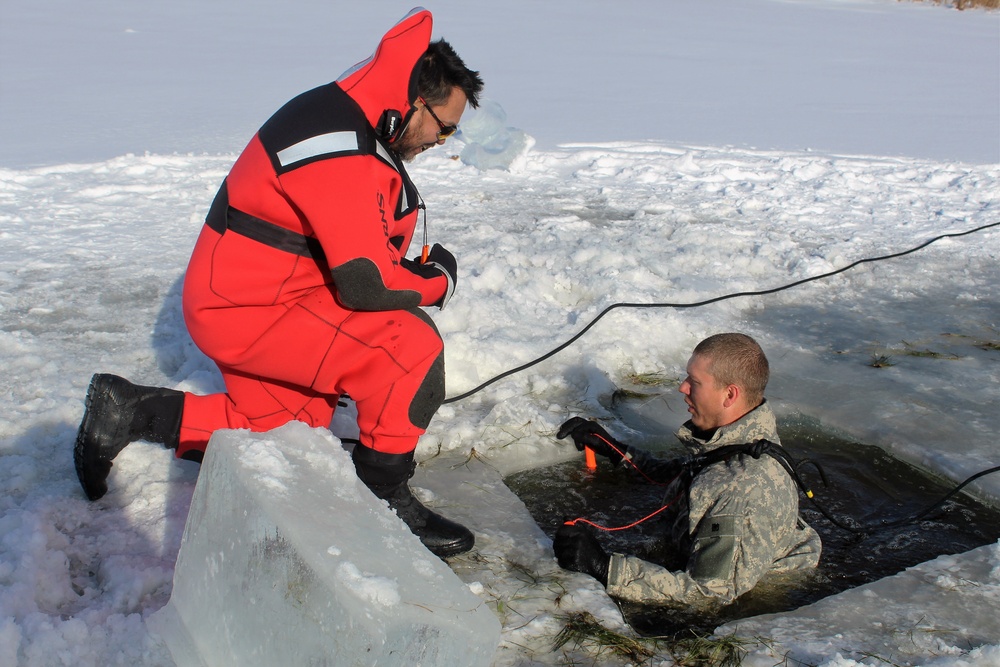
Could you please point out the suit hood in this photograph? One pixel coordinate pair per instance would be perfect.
(385, 84)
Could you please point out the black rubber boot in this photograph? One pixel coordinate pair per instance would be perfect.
(117, 413)
(387, 475)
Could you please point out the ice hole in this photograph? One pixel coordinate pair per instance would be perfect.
(867, 487)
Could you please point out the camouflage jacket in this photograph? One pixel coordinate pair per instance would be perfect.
(736, 520)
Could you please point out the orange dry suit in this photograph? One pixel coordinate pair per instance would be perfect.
(298, 287)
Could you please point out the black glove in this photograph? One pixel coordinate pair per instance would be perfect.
(587, 433)
(445, 262)
(578, 550)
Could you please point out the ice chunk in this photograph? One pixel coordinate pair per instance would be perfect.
(287, 559)
(489, 143)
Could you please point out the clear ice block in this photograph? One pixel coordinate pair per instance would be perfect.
(288, 559)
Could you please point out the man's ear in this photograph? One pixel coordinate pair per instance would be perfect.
(733, 395)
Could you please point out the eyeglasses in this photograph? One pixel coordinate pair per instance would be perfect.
(446, 130)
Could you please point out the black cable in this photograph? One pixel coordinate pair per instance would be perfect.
(788, 463)
(865, 530)
(782, 456)
(706, 302)
(938, 504)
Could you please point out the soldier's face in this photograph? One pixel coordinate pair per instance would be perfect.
(706, 400)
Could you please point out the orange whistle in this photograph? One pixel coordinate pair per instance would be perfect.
(591, 458)
(423, 254)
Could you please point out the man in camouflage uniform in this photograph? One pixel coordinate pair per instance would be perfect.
(735, 520)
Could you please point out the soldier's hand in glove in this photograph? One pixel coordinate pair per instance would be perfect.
(444, 261)
(588, 433)
(578, 550)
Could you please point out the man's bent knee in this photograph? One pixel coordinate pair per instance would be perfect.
(429, 395)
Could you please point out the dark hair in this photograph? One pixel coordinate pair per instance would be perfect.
(736, 358)
(441, 69)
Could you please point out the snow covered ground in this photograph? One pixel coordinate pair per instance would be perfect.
(680, 152)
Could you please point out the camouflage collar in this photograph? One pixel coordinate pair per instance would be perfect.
(758, 424)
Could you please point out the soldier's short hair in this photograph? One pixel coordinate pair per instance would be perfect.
(736, 358)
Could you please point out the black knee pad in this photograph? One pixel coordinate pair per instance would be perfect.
(430, 395)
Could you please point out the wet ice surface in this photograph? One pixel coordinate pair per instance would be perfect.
(867, 489)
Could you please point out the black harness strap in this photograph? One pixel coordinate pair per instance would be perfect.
(222, 218)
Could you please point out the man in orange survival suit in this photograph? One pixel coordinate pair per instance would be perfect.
(298, 287)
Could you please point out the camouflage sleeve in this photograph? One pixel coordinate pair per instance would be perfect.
(715, 568)
(737, 536)
(636, 580)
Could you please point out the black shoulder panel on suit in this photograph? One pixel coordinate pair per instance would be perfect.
(318, 124)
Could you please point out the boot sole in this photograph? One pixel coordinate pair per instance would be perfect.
(461, 539)
(91, 469)
(453, 550)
